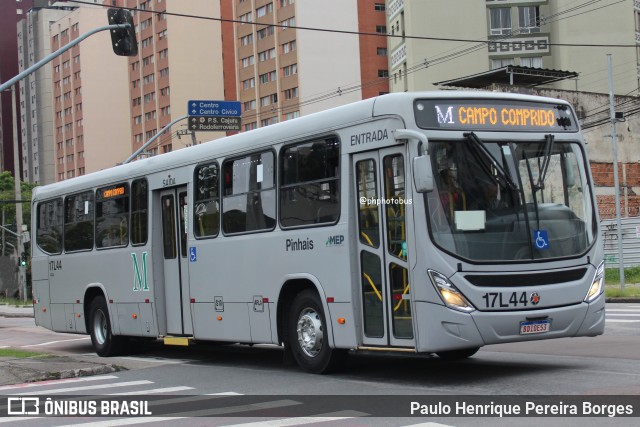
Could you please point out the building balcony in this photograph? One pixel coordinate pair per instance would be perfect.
(636, 4)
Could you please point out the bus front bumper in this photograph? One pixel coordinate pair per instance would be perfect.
(449, 329)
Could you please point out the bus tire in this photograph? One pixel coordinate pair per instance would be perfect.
(457, 354)
(104, 342)
(308, 338)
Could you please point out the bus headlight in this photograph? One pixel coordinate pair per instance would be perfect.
(450, 295)
(597, 286)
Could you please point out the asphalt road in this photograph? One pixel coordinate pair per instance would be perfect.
(582, 367)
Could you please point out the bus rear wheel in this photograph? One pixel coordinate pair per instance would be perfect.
(308, 338)
(457, 354)
(104, 342)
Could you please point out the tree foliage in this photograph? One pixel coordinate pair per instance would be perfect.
(7, 192)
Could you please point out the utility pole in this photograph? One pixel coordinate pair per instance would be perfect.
(616, 183)
(17, 180)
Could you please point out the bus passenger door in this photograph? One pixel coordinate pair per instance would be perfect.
(382, 250)
(176, 275)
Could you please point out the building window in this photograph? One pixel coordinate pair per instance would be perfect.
(381, 29)
(265, 32)
(250, 105)
(379, 7)
(262, 11)
(533, 62)
(383, 73)
(382, 51)
(290, 70)
(500, 18)
(290, 93)
(499, 63)
(529, 19)
(249, 83)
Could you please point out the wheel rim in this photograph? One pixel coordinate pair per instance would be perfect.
(310, 332)
(100, 327)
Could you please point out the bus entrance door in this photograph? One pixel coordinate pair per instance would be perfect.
(176, 274)
(385, 289)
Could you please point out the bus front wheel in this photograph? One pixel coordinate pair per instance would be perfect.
(308, 338)
(104, 342)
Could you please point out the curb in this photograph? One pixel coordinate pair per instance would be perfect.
(82, 372)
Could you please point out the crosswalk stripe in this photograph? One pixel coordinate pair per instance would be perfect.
(54, 342)
(179, 416)
(152, 391)
(64, 381)
(89, 387)
(620, 310)
(320, 418)
(625, 314)
(428, 424)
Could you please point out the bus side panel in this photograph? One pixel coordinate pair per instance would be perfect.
(260, 322)
(229, 323)
(129, 319)
(41, 308)
(344, 334)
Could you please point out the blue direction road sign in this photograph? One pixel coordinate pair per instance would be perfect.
(214, 108)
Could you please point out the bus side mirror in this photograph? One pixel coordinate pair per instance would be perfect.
(422, 174)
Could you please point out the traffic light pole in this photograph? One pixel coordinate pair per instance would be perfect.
(57, 53)
(22, 283)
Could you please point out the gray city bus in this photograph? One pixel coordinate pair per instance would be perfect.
(427, 222)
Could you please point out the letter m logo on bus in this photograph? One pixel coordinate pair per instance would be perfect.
(140, 282)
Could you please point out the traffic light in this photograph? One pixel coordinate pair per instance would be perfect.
(123, 39)
(23, 259)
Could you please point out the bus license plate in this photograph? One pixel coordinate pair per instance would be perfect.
(535, 327)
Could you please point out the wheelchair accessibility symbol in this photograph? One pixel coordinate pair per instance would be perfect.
(540, 239)
(193, 255)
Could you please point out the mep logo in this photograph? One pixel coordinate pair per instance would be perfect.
(140, 282)
(337, 240)
(23, 406)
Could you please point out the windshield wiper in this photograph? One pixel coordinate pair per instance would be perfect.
(479, 148)
(548, 148)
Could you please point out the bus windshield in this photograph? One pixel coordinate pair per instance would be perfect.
(510, 201)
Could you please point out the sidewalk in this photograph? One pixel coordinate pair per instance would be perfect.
(19, 370)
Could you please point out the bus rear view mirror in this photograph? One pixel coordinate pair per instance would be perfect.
(422, 174)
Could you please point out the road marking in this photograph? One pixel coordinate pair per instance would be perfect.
(89, 387)
(320, 418)
(54, 342)
(625, 314)
(183, 415)
(620, 310)
(152, 391)
(63, 381)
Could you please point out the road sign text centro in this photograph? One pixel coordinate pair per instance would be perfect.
(214, 108)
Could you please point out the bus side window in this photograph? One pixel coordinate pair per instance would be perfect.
(112, 216)
(78, 222)
(206, 204)
(49, 226)
(139, 212)
(309, 186)
(249, 193)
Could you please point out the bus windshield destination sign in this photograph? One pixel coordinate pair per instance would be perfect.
(501, 116)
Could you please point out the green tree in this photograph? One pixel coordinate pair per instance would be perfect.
(7, 192)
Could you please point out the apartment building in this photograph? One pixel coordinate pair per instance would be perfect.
(36, 102)
(279, 71)
(91, 122)
(179, 59)
(446, 44)
(11, 12)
